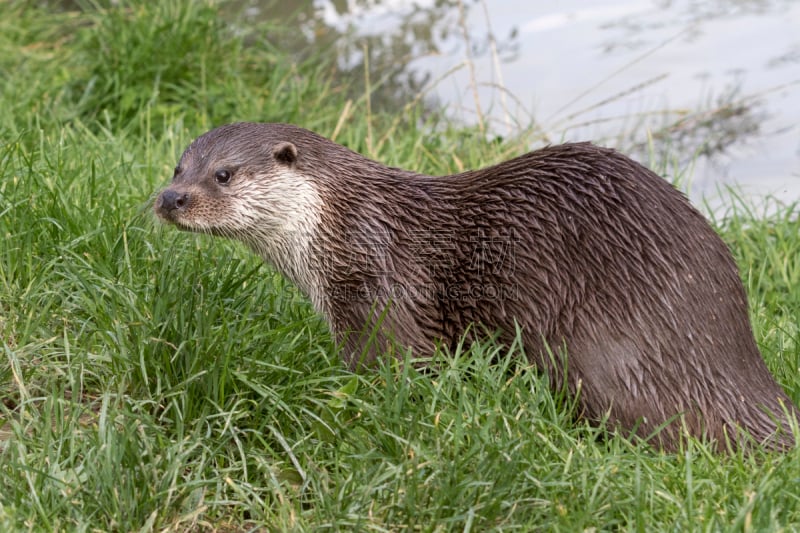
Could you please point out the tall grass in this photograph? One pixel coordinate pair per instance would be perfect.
(154, 380)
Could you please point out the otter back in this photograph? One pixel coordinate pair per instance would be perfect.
(593, 256)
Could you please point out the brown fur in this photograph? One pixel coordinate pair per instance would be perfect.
(578, 245)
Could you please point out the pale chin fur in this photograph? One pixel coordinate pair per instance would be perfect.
(288, 208)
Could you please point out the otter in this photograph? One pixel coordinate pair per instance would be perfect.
(617, 287)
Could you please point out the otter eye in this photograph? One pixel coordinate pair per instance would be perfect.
(176, 173)
(222, 176)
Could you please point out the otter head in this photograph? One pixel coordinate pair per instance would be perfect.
(242, 181)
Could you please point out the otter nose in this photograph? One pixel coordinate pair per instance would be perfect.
(171, 200)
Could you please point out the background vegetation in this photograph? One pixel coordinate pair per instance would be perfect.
(154, 380)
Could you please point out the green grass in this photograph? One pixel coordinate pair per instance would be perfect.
(155, 380)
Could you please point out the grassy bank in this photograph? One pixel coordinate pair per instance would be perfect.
(155, 380)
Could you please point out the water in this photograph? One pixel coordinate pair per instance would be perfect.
(716, 76)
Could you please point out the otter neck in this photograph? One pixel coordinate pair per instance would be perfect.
(285, 238)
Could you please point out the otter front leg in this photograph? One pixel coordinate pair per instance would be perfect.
(384, 328)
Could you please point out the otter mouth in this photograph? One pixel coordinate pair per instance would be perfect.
(182, 225)
(171, 217)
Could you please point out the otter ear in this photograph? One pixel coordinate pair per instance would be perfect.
(285, 152)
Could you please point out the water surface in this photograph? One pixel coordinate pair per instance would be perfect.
(715, 84)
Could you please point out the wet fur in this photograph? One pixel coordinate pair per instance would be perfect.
(577, 245)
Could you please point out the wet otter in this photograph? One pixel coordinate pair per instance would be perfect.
(595, 258)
